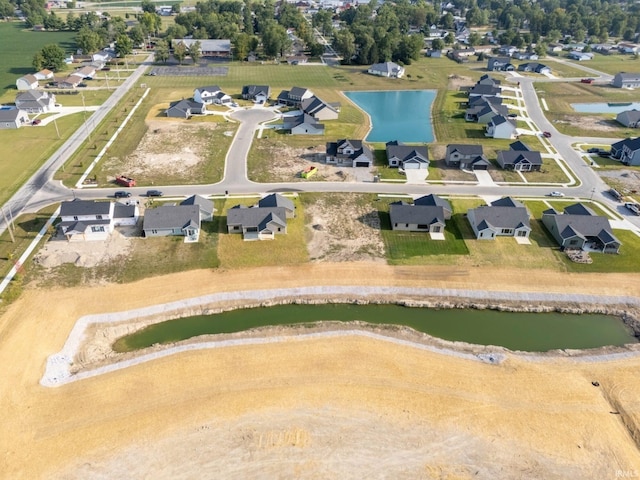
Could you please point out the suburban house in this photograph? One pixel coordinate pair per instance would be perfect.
(534, 67)
(486, 79)
(294, 97)
(90, 220)
(211, 95)
(628, 48)
(481, 90)
(407, 156)
(303, 124)
(263, 221)
(519, 146)
(631, 152)
(208, 48)
(386, 69)
(13, 118)
(580, 56)
(466, 157)
(525, 56)
(483, 111)
(433, 200)
(500, 64)
(508, 50)
(482, 100)
(349, 153)
(257, 93)
(85, 72)
(296, 59)
(319, 109)
(36, 101)
(72, 81)
(501, 127)
(205, 205)
(616, 148)
(629, 118)
(169, 220)
(27, 82)
(417, 218)
(185, 109)
(44, 74)
(578, 227)
(520, 160)
(504, 217)
(626, 80)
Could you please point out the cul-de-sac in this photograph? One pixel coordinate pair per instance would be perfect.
(320, 239)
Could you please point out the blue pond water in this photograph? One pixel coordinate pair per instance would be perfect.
(403, 115)
(604, 107)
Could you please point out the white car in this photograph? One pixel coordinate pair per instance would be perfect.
(556, 194)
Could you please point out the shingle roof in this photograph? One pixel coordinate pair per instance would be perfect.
(464, 149)
(204, 204)
(502, 216)
(255, 216)
(79, 208)
(276, 200)
(416, 214)
(405, 152)
(514, 157)
(171, 216)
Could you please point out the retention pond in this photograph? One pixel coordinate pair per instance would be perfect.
(534, 332)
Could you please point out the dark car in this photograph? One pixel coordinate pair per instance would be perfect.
(546, 134)
(593, 150)
(82, 85)
(36, 121)
(122, 194)
(604, 154)
(154, 193)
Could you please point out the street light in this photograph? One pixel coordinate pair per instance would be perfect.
(593, 191)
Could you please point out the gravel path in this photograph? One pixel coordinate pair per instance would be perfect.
(58, 368)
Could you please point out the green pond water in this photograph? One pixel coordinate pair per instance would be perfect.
(534, 332)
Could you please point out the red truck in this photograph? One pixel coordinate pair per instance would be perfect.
(125, 181)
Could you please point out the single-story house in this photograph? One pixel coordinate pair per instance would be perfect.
(257, 93)
(169, 220)
(483, 112)
(257, 223)
(435, 201)
(534, 67)
(407, 156)
(629, 118)
(501, 127)
(484, 90)
(519, 160)
(466, 157)
(580, 56)
(631, 152)
(36, 101)
(319, 109)
(27, 82)
(185, 109)
(416, 218)
(386, 69)
(303, 124)
(500, 64)
(628, 47)
(349, 153)
(85, 72)
(626, 80)
(205, 205)
(72, 81)
(219, 48)
(90, 220)
(525, 56)
(294, 97)
(13, 118)
(487, 79)
(44, 74)
(578, 227)
(508, 50)
(519, 146)
(504, 217)
(211, 95)
(276, 200)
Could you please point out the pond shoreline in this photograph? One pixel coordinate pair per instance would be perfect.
(88, 350)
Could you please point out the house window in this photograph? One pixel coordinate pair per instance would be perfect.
(237, 227)
(573, 242)
(436, 229)
(154, 231)
(75, 217)
(406, 225)
(522, 233)
(506, 231)
(97, 228)
(98, 217)
(252, 229)
(423, 227)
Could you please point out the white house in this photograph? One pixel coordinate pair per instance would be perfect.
(501, 127)
(89, 220)
(28, 82)
(13, 118)
(386, 69)
(36, 101)
(211, 95)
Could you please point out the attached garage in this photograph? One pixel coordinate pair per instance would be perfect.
(362, 164)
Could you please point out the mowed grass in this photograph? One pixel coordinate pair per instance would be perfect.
(613, 64)
(285, 249)
(19, 47)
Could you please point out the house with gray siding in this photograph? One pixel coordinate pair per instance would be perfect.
(433, 200)
(504, 217)
(500, 64)
(257, 223)
(466, 157)
(185, 109)
(629, 118)
(36, 101)
(256, 93)
(349, 153)
(13, 118)
(417, 218)
(169, 220)
(520, 161)
(501, 126)
(407, 156)
(631, 152)
(578, 227)
(626, 80)
(205, 205)
(303, 124)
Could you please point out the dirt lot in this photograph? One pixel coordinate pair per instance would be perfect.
(346, 407)
(590, 123)
(628, 179)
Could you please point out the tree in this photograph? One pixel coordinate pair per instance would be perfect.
(180, 52)
(344, 43)
(195, 52)
(175, 31)
(136, 34)
(6, 8)
(124, 45)
(89, 41)
(316, 49)
(162, 51)
(323, 21)
(449, 38)
(51, 57)
(148, 6)
(275, 40)
(243, 44)
(437, 44)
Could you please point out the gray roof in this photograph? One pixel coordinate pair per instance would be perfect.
(406, 152)
(276, 200)
(253, 90)
(292, 122)
(630, 116)
(185, 106)
(632, 144)
(519, 146)
(435, 201)
(578, 209)
(10, 115)
(506, 202)
(359, 148)
(628, 76)
(256, 216)
(583, 224)
(484, 100)
(171, 217)
(514, 157)
(416, 214)
(210, 45)
(79, 208)
(500, 119)
(388, 67)
(313, 104)
(464, 149)
(501, 217)
(210, 88)
(204, 204)
(298, 92)
(482, 89)
(124, 211)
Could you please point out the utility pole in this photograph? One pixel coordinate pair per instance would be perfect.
(9, 225)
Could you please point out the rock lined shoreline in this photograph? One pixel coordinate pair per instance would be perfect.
(89, 346)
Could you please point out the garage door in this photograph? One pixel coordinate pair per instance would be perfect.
(480, 167)
(362, 164)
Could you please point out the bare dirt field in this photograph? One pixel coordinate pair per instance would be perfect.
(346, 407)
(629, 179)
(590, 123)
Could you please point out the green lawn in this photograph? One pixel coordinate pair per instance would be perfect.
(20, 45)
(613, 64)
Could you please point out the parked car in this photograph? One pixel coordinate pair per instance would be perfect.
(122, 194)
(546, 134)
(154, 193)
(556, 194)
(36, 121)
(82, 85)
(604, 154)
(587, 80)
(634, 207)
(615, 194)
(593, 150)
(151, 74)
